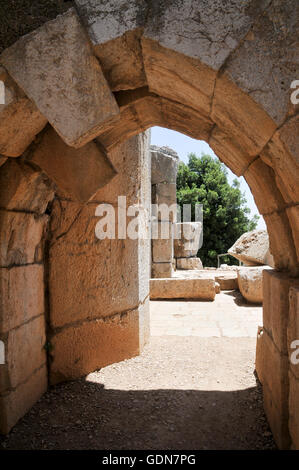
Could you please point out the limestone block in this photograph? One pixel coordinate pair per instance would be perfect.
(164, 163)
(294, 411)
(15, 404)
(227, 281)
(276, 390)
(187, 239)
(164, 201)
(251, 131)
(23, 188)
(280, 235)
(88, 346)
(177, 77)
(293, 327)
(144, 323)
(25, 353)
(189, 263)
(188, 288)
(163, 270)
(21, 238)
(20, 120)
(78, 172)
(217, 288)
(250, 281)
(261, 180)
(281, 153)
(260, 68)
(101, 277)
(276, 286)
(162, 241)
(112, 19)
(75, 99)
(293, 216)
(22, 295)
(208, 31)
(121, 60)
(252, 247)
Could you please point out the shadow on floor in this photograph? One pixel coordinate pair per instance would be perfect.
(85, 415)
(239, 299)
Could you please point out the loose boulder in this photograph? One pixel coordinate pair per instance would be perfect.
(250, 280)
(253, 248)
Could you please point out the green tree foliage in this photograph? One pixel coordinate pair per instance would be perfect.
(225, 214)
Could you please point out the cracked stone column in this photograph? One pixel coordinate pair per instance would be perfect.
(99, 288)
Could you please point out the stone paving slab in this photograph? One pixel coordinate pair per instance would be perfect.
(227, 316)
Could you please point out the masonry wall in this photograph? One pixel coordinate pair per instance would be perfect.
(99, 289)
(24, 196)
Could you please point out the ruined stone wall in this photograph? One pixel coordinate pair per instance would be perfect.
(24, 197)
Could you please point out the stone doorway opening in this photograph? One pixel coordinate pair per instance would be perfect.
(70, 139)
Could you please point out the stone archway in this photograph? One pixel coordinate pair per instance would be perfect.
(220, 74)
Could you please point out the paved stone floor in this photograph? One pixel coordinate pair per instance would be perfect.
(228, 316)
(193, 387)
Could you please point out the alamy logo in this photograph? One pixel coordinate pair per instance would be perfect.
(295, 94)
(2, 92)
(295, 355)
(2, 353)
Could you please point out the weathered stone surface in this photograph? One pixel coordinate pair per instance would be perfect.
(276, 286)
(25, 353)
(281, 153)
(177, 77)
(20, 120)
(258, 66)
(88, 346)
(217, 288)
(78, 172)
(15, 404)
(112, 19)
(121, 61)
(144, 323)
(186, 120)
(100, 277)
(294, 411)
(75, 99)
(163, 165)
(174, 288)
(293, 216)
(189, 263)
(21, 238)
(251, 247)
(275, 390)
(293, 326)
(161, 270)
(22, 295)
(280, 235)
(229, 151)
(261, 180)
(28, 188)
(250, 281)
(187, 239)
(227, 281)
(164, 201)
(208, 31)
(162, 249)
(253, 128)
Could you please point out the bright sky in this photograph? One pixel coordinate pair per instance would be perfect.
(184, 145)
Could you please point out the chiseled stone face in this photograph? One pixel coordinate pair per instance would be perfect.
(252, 247)
(60, 74)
